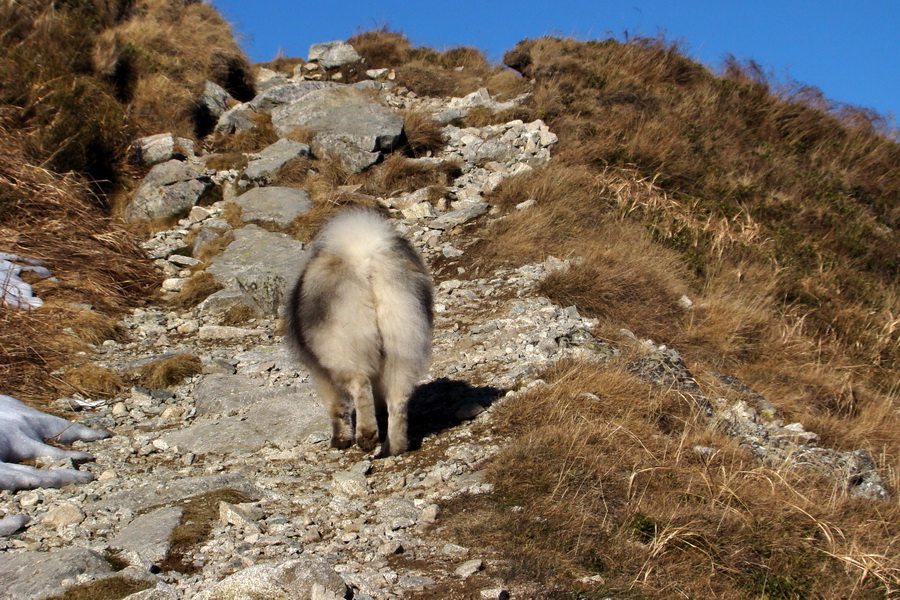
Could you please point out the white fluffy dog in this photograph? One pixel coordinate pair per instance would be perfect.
(360, 317)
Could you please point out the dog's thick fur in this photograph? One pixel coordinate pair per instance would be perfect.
(360, 317)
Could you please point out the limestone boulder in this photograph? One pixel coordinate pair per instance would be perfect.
(261, 265)
(333, 54)
(277, 206)
(34, 575)
(348, 123)
(244, 416)
(161, 147)
(213, 100)
(170, 188)
(236, 119)
(285, 93)
(264, 166)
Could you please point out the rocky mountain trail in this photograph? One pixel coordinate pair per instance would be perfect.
(223, 485)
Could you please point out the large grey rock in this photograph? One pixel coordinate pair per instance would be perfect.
(490, 150)
(349, 124)
(286, 93)
(222, 394)
(458, 217)
(156, 493)
(236, 119)
(37, 575)
(267, 78)
(11, 524)
(146, 539)
(154, 149)
(169, 188)
(299, 579)
(278, 206)
(266, 164)
(213, 100)
(278, 416)
(261, 265)
(162, 591)
(333, 54)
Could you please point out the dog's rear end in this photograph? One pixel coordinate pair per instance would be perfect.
(360, 317)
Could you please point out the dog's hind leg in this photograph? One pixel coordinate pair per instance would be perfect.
(366, 426)
(339, 409)
(397, 381)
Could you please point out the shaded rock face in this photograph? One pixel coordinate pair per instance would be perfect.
(169, 189)
(236, 119)
(211, 104)
(348, 123)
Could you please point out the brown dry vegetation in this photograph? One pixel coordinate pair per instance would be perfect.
(94, 380)
(454, 72)
(776, 214)
(78, 81)
(601, 479)
(169, 371)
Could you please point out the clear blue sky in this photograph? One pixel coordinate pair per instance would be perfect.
(848, 49)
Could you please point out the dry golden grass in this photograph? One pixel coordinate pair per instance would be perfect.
(56, 219)
(198, 288)
(294, 173)
(601, 478)
(382, 48)
(423, 133)
(398, 174)
(253, 140)
(239, 314)
(95, 381)
(169, 371)
(765, 211)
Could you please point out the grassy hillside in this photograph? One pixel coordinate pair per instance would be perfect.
(78, 81)
(774, 211)
(777, 214)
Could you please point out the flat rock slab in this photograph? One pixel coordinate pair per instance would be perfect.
(286, 93)
(303, 578)
(265, 165)
(281, 416)
(147, 537)
(158, 493)
(277, 206)
(39, 575)
(458, 217)
(261, 265)
(346, 120)
(169, 188)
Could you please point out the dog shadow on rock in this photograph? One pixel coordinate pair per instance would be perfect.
(444, 403)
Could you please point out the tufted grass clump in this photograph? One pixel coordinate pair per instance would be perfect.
(168, 371)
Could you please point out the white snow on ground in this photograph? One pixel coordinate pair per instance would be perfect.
(22, 433)
(13, 290)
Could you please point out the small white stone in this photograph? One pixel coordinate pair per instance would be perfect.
(174, 284)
